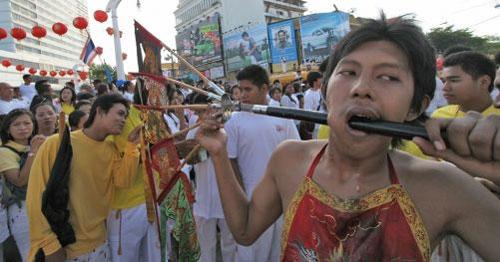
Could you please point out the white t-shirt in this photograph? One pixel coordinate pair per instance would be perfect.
(7, 106)
(28, 91)
(208, 203)
(252, 139)
(438, 100)
(312, 99)
(129, 96)
(273, 102)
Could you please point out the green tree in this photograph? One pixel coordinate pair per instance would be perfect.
(444, 37)
(97, 72)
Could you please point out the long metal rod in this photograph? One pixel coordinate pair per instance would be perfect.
(386, 128)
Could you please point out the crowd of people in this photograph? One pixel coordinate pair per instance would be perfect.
(266, 188)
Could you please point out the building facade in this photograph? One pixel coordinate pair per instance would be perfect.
(234, 16)
(52, 52)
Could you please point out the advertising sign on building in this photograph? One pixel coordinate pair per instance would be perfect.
(247, 47)
(283, 48)
(201, 44)
(320, 33)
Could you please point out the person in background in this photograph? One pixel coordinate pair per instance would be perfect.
(46, 118)
(44, 93)
(27, 89)
(18, 150)
(84, 106)
(128, 90)
(235, 93)
(77, 120)
(85, 92)
(67, 100)
(7, 101)
(275, 94)
(102, 89)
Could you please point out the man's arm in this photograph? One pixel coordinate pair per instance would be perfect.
(247, 219)
(41, 235)
(237, 172)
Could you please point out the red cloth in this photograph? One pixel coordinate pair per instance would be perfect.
(321, 227)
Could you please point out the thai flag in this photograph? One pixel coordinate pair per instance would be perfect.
(88, 52)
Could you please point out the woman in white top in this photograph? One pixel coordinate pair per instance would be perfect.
(128, 91)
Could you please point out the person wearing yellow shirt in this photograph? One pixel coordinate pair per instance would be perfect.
(97, 169)
(67, 100)
(131, 236)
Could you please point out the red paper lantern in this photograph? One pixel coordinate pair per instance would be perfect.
(70, 72)
(53, 73)
(59, 28)
(43, 72)
(3, 33)
(38, 31)
(124, 56)
(32, 71)
(6, 62)
(20, 68)
(83, 75)
(100, 16)
(62, 73)
(109, 30)
(18, 33)
(98, 50)
(80, 23)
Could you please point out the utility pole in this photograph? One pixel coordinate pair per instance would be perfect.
(112, 6)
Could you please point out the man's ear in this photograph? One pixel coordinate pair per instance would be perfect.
(484, 82)
(414, 114)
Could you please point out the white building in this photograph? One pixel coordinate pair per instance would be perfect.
(235, 15)
(52, 52)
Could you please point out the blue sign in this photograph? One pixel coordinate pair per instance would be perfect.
(283, 48)
(320, 33)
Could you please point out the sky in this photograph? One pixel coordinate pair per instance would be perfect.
(158, 17)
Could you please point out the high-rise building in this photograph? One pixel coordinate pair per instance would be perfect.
(52, 52)
(234, 15)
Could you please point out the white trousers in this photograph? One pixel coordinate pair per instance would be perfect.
(100, 254)
(206, 229)
(19, 228)
(266, 248)
(130, 232)
(453, 248)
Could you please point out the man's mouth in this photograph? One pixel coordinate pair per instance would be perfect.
(360, 115)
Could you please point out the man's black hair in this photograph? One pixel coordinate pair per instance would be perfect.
(474, 64)
(244, 34)
(455, 49)
(312, 77)
(96, 82)
(42, 86)
(26, 76)
(81, 103)
(323, 65)
(84, 96)
(105, 102)
(255, 74)
(74, 118)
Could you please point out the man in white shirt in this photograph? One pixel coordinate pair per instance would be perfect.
(251, 141)
(27, 89)
(312, 101)
(207, 209)
(7, 103)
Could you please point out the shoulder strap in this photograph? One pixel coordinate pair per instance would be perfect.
(12, 149)
(392, 172)
(315, 162)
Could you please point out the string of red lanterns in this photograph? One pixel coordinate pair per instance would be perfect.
(60, 29)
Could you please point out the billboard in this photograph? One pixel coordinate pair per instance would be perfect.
(283, 47)
(246, 47)
(320, 33)
(201, 44)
